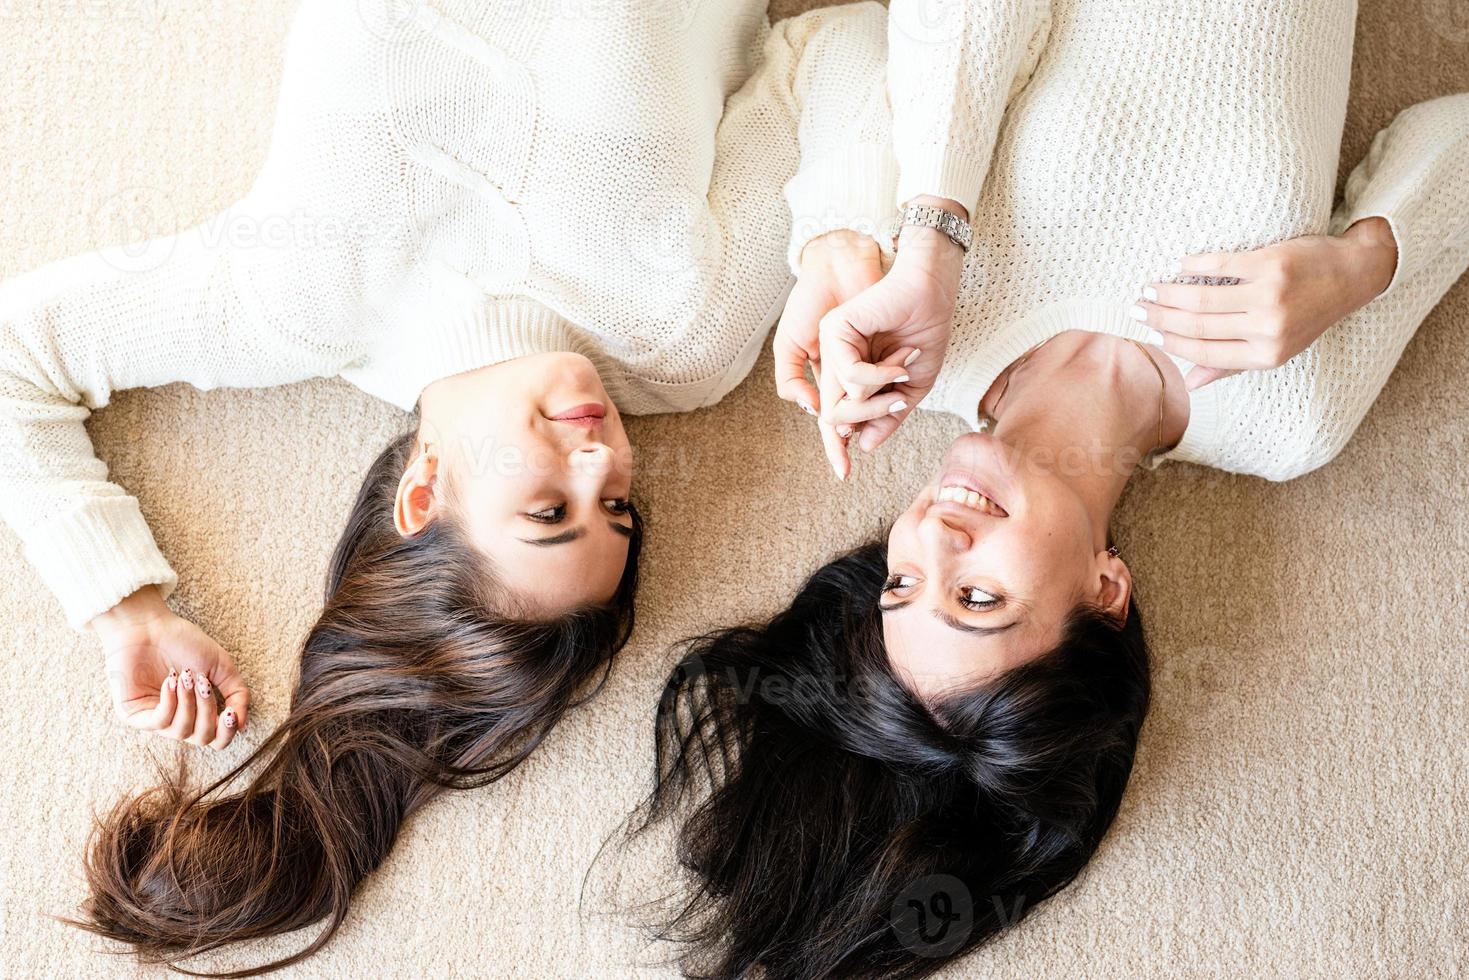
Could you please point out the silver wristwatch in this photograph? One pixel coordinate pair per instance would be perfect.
(954, 227)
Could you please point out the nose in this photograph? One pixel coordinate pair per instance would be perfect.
(593, 459)
(942, 535)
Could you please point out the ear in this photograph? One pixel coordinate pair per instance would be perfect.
(1114, 587)
(417, 503)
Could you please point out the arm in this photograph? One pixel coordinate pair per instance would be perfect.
(954, 66)
(1280, 424)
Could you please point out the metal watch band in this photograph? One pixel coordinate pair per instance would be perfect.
(955, 228)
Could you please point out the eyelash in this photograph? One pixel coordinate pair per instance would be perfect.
(555, 515)
(896, 582)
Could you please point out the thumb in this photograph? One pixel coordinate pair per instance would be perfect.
(230, 684)
(1199, 376)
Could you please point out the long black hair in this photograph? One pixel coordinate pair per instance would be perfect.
(836, 825)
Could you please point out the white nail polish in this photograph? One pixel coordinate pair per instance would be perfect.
(1155, 338)
(901, 379)
(1150, 294)
(908, 361)
(897, 407)
(1138, 313)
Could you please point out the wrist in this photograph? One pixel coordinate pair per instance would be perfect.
(139, 609)
(841, 244)
(1375, 257)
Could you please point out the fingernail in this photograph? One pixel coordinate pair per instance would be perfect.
(202, 687)
(1155, 338)
(172, 682)
(897, 407)
(901, 379)
(187, 679)
(228, 718)
(1137, 313)
(1150, 294)
(845, 431)
(807, 409)
(908, 361)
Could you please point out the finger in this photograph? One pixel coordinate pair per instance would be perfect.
(851, 412)
(1228, 354)
(206, 713)
(1200, 326)
(791, 360)
(863, 380)
(148, 715)
(1200, 376)
(225, 732)
(183, 719)
(1237, 265)
(879, 431)
(1200, 299)
(835, 447)
(230, 685)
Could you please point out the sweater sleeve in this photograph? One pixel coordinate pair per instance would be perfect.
(1284, 423)
(835, 58)
(185, 308)
(954, 65)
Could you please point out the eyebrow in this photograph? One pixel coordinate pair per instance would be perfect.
(951, 622)
(576, 533)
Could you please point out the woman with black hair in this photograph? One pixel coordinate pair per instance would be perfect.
(1135, 257)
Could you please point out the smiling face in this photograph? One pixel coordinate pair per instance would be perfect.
(533, 459)
(986, 566)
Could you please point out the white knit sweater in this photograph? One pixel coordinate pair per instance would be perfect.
(465, 184)
(1144, 132)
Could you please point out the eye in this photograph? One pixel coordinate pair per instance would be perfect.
(977, 599)
(897, 583)
(618, 506)
(549, 515)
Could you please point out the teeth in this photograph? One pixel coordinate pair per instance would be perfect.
(970, 499)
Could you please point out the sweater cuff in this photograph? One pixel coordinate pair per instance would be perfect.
(95, 557)
(853, 191)
(942, 174)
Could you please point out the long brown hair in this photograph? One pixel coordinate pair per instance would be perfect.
(411, 684)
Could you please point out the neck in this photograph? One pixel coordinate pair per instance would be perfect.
(1086, 406)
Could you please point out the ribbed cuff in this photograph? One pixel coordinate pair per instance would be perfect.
(95, 557)
(853, 191)
(940, 174)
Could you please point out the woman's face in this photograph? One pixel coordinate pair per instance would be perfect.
(986, 566)
(538, 468)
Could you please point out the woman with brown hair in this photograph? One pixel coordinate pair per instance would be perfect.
(519, 226)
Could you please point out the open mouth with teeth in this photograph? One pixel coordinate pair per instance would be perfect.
(973, 499)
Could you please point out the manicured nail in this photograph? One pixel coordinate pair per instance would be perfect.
(202, 688)
(901, 379)
(228, 718)
(1150, 294)
(187, 679)
(1138, 313)
(1155, 338)
(897, 407)
(807, 409)
(172, 682)
(908, 361)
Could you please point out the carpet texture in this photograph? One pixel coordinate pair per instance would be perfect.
(1299, 806)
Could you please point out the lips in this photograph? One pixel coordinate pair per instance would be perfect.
(964, 490)
(589, 415)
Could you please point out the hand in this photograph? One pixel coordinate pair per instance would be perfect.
(1285, 297)
(164, 673)
(881, 351)
(834, 268)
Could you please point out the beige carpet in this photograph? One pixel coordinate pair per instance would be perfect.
(1301, 806)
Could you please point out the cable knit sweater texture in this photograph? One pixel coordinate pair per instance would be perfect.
(466, 184)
